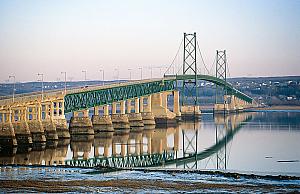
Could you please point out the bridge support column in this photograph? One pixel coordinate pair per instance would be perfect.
(221, 109)
(135, 119)
(35, 124)
(122, 107)
(128, 106)
(106, 110)
(120, 121)
(102, 123)
(21, 127)
(81, 125)
(191, 112)
(114, 108)
(229, 105)
(141, 104)
(231, 101)
(176, 103)
(7, 132)
(162, 115)
(48, 124)
(59, 121)
(148, 118)
(239, 104)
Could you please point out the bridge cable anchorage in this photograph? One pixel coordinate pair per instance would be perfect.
(174, 57)
(202, 58)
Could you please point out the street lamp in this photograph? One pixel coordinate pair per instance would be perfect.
(42, 80)
(65, 73)
(141, 68)
(102, 70)
(130, 74)
(84, 71)
(14, 89)
(160, 68)
(117, 76)
(150, 71)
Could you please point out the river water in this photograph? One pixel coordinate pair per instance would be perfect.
(263, 143)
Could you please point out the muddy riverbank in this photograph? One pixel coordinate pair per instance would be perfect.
(136, 185)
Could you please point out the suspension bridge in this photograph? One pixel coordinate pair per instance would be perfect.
(125, 107)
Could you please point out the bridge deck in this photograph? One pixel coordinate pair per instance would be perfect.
(95, 95)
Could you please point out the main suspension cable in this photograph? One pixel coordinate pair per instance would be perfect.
(202, 57)
(174, 57)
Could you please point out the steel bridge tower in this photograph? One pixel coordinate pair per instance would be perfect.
(189, 94)
(189, 68)
(221, 73)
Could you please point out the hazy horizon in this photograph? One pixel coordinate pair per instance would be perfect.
(261, 37)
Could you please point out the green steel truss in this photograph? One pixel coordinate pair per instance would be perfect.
(130, 161)
(89, 99)
(226, 86)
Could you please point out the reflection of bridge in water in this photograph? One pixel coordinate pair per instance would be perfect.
(158, 152)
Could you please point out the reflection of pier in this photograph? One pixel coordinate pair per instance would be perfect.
(129, 151)
(181, 146)
(149, 148)
(39, 155)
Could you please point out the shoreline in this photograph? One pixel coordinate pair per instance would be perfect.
(276, 107)
(138, 185)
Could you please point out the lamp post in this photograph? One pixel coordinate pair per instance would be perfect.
(117, 75)
(65, 73)
(84, 71)
(130, 74)
(141, 68)
(160, 68)
(102, 70)
(42, 80)
(14, 89)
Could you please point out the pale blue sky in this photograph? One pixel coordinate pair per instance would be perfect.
(262, 37)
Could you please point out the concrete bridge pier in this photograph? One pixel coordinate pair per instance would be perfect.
(35, 123)
(176, 106)
(135, 119)
(239, 104)
(7, 132)
(102, 123)
(58, 117)
(81, 125)
(148, 118)
(162, 115)
(21, 127)
(231, 105)
(48, 124)
(120, 120)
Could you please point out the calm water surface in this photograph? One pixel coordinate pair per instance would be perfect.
(261, 143)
